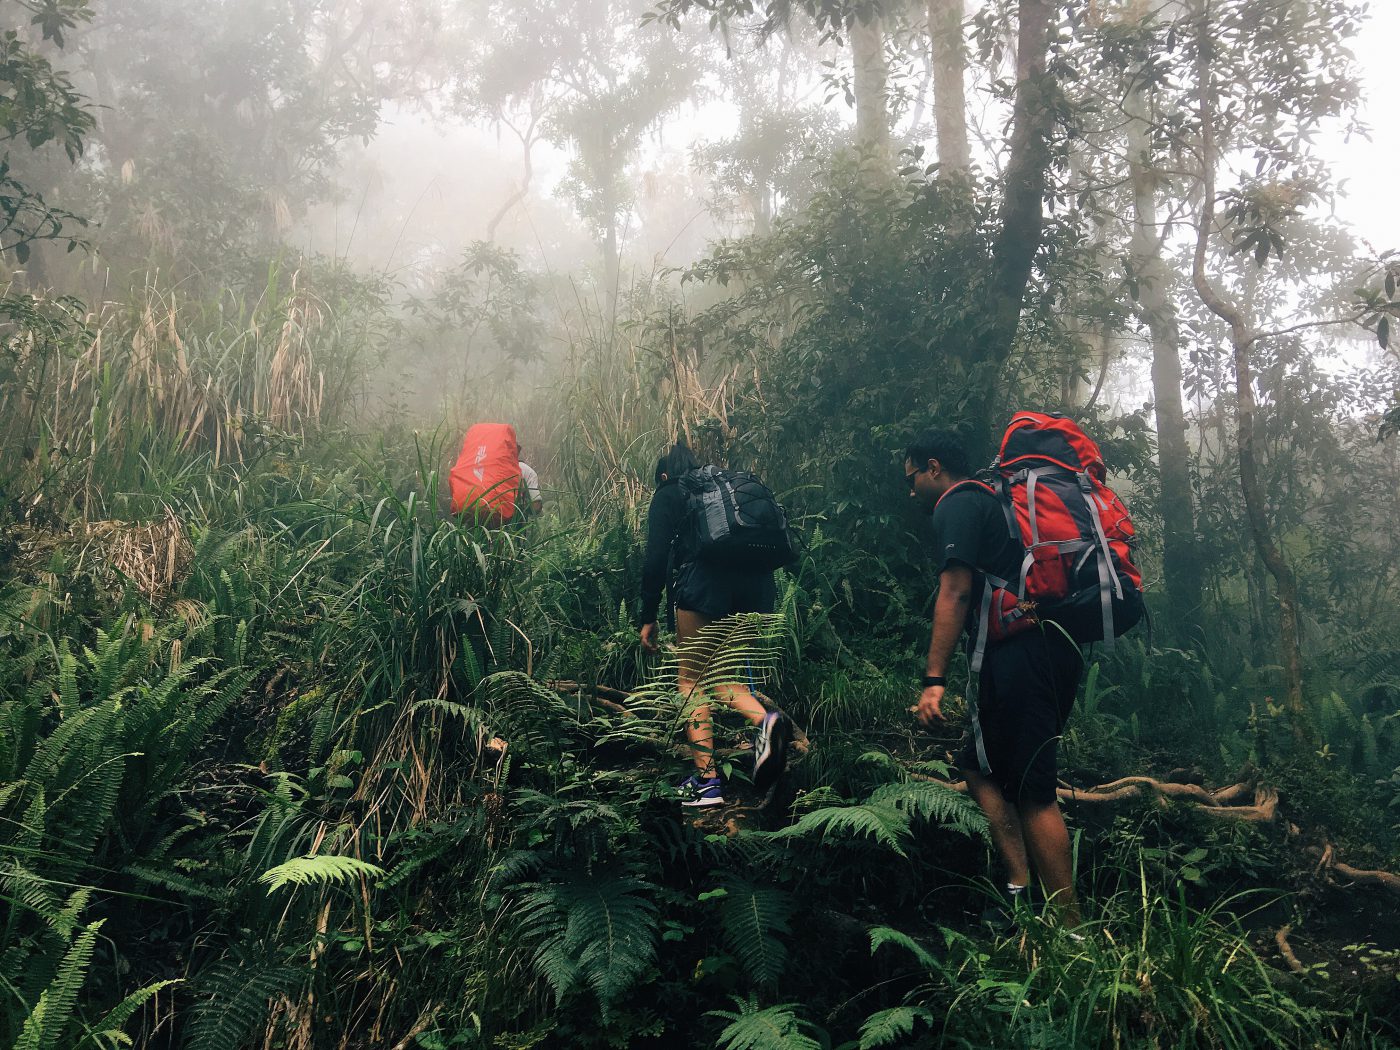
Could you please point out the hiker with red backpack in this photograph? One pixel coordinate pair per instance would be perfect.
(714, 538)
(1034, 559)
(485, 480)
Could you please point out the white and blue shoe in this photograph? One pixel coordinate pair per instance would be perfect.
(770, 749)
(697, 791)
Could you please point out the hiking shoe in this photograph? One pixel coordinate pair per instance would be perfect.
(770, 749)
(1001, 914)
(697, 791)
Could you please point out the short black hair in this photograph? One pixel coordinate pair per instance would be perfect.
(946, 446)
(675, 462)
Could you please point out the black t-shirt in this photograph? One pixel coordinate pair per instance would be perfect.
(970, 528)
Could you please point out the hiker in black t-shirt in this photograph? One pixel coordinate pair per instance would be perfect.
(703, 592)
(1027, 683)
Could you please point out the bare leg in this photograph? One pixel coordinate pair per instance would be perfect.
(1047, 838)
(1005, 824)
(699, 727)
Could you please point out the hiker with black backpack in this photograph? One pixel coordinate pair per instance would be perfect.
(1034, 558)
(714, 538)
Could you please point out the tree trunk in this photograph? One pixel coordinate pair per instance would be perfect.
(1242, 339)
(527, 144)
(1021, 220)
(1181, 568)
(945, 27)
(870, 84)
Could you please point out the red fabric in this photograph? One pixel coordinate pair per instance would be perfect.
(1037, 439)
(487, 473)
(1085, 454)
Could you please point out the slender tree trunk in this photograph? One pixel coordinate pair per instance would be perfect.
(945, 27)
(527, 144)
(1181, 568)
(1242, 339)
(1021, 221)
(870, 83)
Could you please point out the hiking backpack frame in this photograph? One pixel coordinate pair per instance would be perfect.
(1077, 570)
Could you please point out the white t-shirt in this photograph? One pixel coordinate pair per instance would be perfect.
(532, 481)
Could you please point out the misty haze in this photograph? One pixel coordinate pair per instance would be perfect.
(735, 524)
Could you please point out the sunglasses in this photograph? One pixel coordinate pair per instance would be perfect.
(910, 477)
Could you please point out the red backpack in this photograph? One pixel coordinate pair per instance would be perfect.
(487, 474)
(1077, 536)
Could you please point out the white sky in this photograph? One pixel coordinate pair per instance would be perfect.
(1371, 169)
(430, 188)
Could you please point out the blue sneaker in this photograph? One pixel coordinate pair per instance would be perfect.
(697, 791)
(770, 749)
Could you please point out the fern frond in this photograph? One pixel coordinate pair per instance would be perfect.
(879, 821)
(234, 1002)
(892, 1027)
(936, 803)
(319, 870)
(612, 932)
(109, 1029)
(53, 1013)
(751, 917)
(764, 1028)
(883, 935)
(596, 929)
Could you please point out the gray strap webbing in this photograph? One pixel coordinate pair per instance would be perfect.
(984, 621)
(1109, 584)
(1007, 510)
(1032, 477)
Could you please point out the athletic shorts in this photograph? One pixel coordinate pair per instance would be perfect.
(1024, 698)
(714, 591)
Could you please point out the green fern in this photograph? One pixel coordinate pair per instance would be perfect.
(752, 1027)
(235, 994)
(109, 1030)
(935, 803)
(594, 929)
(52, 1015)
(883, 935)
(881, 822)
(318, 870)
(893, 1027)
(751, 918)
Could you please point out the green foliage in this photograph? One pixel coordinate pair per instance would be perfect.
(594, 930)
(318, 870)
(753, 918)
(752, 1027)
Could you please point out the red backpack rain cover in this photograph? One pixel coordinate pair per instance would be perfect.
(487, 473)
(1076, 533)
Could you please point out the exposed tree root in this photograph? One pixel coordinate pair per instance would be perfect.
(1367, 877)
(603, 695)
(1286, 950)
(1222, 802)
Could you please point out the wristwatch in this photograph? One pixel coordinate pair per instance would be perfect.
(934, 679)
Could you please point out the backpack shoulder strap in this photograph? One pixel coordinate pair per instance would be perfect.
(967, 483)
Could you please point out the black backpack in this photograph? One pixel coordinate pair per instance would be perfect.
(733, 519)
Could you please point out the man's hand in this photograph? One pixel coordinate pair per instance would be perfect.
(929, 709)
(648, 635)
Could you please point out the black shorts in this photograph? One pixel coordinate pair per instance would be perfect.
(1024, 697)
(714, 591)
